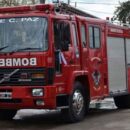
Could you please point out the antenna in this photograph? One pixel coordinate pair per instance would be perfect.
(67, 9)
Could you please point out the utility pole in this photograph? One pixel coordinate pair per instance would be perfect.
(42, 1)
(75, 4)
(68, 2)
(55, 1)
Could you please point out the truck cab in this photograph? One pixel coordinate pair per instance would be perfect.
(39, 50)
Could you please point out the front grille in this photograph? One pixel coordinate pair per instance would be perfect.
(15, 79)
(10, 101)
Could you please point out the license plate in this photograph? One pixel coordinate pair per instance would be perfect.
(5, 95)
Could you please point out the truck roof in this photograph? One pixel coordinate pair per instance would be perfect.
(62, 9)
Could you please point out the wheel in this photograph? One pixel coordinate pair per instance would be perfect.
(122, 101)
(78, 104)
(7, 114)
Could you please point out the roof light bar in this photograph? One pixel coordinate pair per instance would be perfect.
(41, 7)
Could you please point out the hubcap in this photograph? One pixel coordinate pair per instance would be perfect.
(78, 102)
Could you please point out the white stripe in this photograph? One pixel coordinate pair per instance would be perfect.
(60, 59)
(63, 58)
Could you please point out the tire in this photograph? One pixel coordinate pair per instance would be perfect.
(122, 101)
(7, 114)
(78, 104)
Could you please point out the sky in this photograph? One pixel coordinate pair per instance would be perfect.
(99, 8)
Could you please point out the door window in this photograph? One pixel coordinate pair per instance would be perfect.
(94, 37)
(75, 40)
(83, 35)
(74, 35)
(62, 39)
(61, 35)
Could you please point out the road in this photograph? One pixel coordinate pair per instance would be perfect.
(97, 119)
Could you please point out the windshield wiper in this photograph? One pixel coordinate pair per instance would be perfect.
(24, 49)
(2, 48)
(29, 48)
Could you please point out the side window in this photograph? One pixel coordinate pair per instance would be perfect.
(91, 37)
(83, 35)
(62, 35)
(97, 37)
(75, 40)
(62, 39)
(94, 37)
(74, 35)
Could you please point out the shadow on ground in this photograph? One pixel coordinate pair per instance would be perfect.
(49, 120)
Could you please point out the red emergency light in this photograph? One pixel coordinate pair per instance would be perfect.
(41, 7)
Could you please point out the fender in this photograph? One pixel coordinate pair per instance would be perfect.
(72, 79)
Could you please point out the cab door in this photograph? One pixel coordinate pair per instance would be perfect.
(95, 59)
(83, 48)
(75, 40)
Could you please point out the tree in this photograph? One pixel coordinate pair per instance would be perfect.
(122, 12)
(8, 3)
(4, 3)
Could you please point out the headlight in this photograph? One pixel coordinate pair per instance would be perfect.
(37, 92)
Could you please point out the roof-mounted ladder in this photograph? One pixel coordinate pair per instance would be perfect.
(67, 9)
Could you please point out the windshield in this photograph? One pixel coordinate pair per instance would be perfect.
(23, 34)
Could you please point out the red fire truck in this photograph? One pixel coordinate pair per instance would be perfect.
(52, 58)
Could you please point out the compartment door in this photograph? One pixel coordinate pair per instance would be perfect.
(116, 65)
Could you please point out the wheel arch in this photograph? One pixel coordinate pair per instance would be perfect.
(83, 79)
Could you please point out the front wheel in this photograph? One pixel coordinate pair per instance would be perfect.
(78, 104)
(7, 114)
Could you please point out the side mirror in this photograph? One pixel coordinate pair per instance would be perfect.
(65, 46)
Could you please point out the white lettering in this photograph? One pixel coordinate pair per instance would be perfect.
(36, 19)
(2, 20)
(8, 62)
(25, 62)
(29, 19)
(18, 20)
(33, 61)
(114, 30)
(26, 19)
(17, 62)
(23, 19)
(12, 20)
(2, 62)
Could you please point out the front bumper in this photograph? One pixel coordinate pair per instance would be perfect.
(22, 98)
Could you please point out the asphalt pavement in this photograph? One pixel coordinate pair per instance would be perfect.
(103, 118)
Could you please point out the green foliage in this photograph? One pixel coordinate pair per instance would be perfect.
(4, 3)
(122, 12)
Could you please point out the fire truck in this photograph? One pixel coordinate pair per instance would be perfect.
(56, 57)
